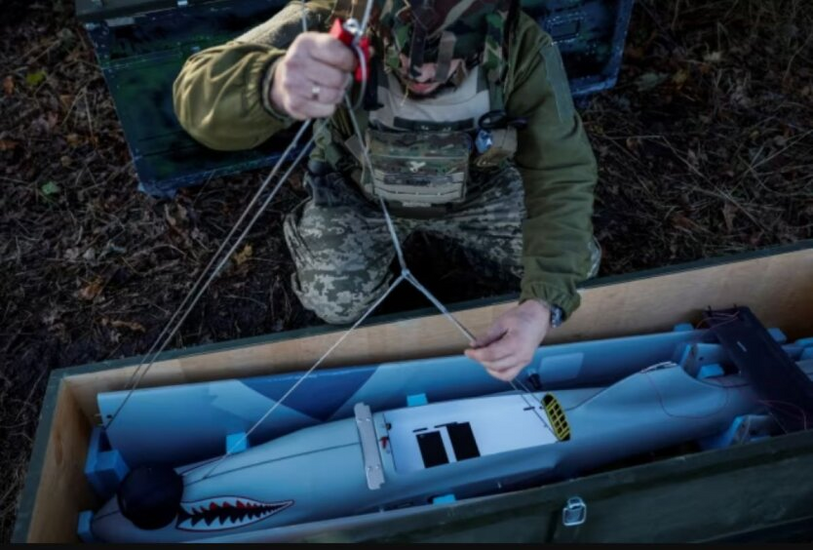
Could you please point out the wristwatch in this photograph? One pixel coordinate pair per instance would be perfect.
(557, 316)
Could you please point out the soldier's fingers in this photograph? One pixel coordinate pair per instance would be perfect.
(494, 333)
(504, 375)
(317, 110)
(291, 81)
(296, 115)
(509, 374)
(331, 51)
(500, 349)
(307, 90)
(314, 93)
(510, 362)
(330, 96)
(294, 107)
(302, 107)
(326, 75)
(494, 352)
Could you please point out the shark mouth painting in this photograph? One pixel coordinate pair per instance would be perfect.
(215, 514)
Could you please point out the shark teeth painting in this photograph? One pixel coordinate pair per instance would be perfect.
(216, 514)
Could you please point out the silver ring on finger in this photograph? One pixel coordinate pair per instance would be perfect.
(315, 91)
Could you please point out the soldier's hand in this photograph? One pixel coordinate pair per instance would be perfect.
(312, 77)
(509, 345)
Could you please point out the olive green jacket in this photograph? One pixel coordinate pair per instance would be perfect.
(219, 100)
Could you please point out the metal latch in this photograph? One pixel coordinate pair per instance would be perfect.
(574, 513)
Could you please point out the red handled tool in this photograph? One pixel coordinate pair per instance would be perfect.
(350, 33)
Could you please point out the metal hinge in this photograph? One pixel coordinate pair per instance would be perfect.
(574, 513)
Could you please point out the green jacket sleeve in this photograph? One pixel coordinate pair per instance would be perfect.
(220, 95)
(558, 170)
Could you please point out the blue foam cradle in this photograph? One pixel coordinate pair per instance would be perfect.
(381, 438)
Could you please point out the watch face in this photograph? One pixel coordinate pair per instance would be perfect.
(555, 316)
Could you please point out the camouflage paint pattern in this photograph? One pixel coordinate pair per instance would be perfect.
(342, 247)
(418, 168)
(415, 27)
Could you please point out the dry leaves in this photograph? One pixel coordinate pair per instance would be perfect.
(729, 212)
(713, 57)
(680, 78)
(181, 216)
(8, 145)
(679, 221)
(649, 81)
(241, 257)
(74, 140)
(90, 291)
(50, 188)
(131, 325)
(35, 79)
(8, 85)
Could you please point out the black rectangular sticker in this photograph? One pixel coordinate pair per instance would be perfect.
(463, 441)
(432, 450)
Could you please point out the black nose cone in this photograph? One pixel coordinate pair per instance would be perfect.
(150, 496)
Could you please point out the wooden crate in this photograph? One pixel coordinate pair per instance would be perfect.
(758, 490)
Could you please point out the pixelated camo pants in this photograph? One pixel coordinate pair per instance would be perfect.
(342, 247)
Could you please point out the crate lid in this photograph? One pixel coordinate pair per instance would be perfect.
(96, 10)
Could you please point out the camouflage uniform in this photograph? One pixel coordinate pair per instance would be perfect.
(343, 249)
(221, 98)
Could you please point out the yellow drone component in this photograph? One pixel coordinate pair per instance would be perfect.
(556, 414)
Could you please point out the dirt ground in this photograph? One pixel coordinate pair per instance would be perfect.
(705, 148)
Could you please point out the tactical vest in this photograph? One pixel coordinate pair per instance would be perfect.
(421, 150)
